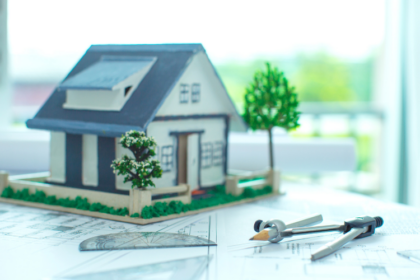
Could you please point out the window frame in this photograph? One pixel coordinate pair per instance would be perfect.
(195, 94)
(218, 159)
(184, 93)
(167, 160)
(206, 154)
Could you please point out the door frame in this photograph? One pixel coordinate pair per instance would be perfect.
(187, 132)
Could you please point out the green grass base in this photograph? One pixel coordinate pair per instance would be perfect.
(78, 203)
(218, 196)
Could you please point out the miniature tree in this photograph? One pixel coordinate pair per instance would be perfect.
(271, 102)
(141, 169)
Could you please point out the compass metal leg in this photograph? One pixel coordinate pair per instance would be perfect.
(338, 243)
(306, 221)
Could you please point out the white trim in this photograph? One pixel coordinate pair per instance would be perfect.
(98, 100)
(90, 160)
(192, 161)
(58, 157)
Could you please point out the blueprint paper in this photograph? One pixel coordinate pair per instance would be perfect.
(191, 268)
(413, 255)
(40, 244)
(374, 257)
(47, 242)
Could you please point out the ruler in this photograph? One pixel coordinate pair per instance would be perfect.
(142, 240)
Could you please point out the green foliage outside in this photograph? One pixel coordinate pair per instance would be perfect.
(318, 76)
(270, 102)
(365, 144)
(142, 168)
(78, 203)
(324, 79)
(218, 197)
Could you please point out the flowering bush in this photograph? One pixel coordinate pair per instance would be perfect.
(142, 168)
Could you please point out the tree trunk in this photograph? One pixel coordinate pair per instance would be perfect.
(270, 136)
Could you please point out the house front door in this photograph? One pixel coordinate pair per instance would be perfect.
(182, 158)
(192, 161)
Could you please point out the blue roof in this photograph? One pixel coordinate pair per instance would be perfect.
(170, 62)
(107, 72)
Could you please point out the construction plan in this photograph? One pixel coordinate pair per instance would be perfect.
(41, 244)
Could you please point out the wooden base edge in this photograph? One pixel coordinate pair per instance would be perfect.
(126, 219)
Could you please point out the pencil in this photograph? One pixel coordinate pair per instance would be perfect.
(265, 234)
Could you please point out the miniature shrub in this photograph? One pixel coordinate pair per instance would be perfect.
(39, 196)
(105, 209)
(82, 203)
(249, 192)
(123, 212)
(176, 206)
(66, 202)
(7, 192)
(51, 200)
(95, 207)
(78, 203)
(21, 194)
(140, 169)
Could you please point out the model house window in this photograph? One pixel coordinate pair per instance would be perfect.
(195, 93)
(184, 93)
(218, 153)
(167, 158)
(206, 154)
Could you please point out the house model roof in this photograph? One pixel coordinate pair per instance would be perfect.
(107, 73)
(103, 67)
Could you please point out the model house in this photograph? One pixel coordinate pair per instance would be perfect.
(171, 92)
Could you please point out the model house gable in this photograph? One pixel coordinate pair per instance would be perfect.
(199, 91)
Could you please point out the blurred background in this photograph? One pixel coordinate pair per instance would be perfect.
(354, 64)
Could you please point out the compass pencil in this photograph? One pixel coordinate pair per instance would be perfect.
(265, 234)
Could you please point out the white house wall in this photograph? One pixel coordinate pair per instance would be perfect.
(213, 96)
(99, 100)
(58, 157)
(214, 132)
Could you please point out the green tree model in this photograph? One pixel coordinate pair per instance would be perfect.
(141, 169)
(270, 102)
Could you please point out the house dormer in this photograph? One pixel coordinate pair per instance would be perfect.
(107, 84)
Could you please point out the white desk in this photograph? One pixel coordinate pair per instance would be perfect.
(38, 244)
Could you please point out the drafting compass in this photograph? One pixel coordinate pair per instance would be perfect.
(359, 227)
